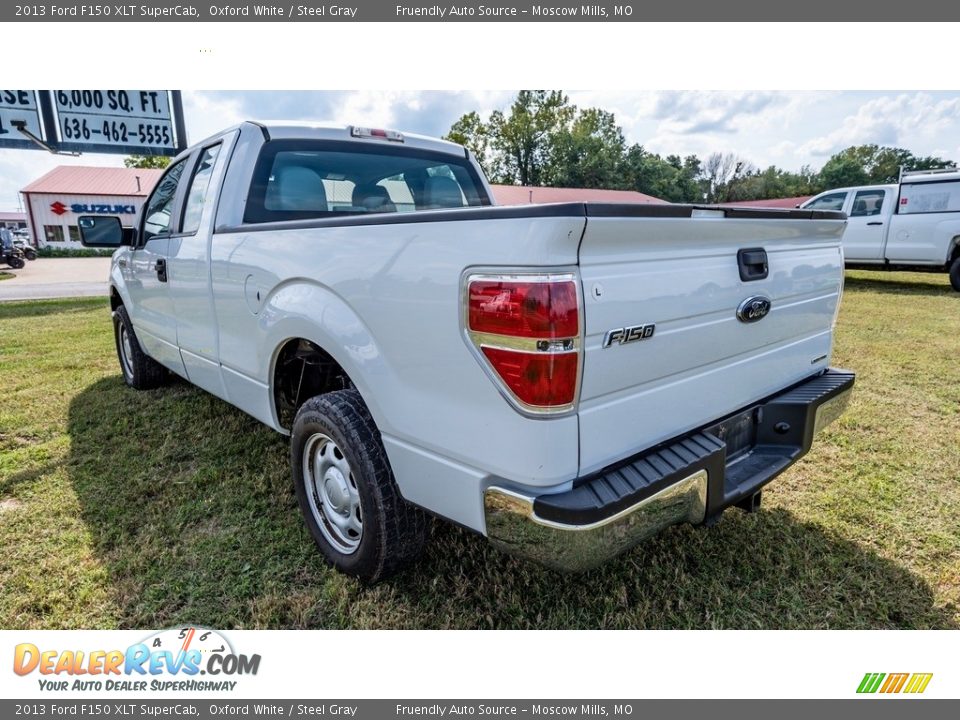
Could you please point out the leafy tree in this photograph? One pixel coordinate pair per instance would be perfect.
(873, 165)
(517, 145)
(672, 178)
(589, 153)
(146, 161)
(471, 132)
(523, 140)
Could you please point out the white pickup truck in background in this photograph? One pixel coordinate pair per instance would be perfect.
(565, 379)
(913, 225)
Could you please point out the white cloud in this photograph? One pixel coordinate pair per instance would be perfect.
(206, 114)
(905, 120)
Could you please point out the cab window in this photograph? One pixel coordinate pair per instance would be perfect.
(199, 186)
(833, 201)
(159, 206)
(867, 203)
(297, 180)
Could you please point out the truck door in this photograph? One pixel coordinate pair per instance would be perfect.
(151, 309)
(189, 268)
(867, 225)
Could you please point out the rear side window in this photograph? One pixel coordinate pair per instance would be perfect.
(833, 201)
(199, 185)
(932, 197)
(296, 180)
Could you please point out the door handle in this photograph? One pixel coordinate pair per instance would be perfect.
(161, 268)
(752, 263)
(875, 222)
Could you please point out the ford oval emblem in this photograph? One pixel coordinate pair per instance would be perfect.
(754, 308)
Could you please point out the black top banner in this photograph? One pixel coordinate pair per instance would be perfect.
(854, 11)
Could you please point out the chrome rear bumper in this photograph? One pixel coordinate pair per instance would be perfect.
(689, 480)
(513, 525)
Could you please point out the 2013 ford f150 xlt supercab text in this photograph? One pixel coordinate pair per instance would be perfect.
(565, 379)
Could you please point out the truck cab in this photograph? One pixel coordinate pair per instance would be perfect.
(868, 210)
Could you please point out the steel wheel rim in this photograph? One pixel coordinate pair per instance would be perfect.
(126, 351)
(332, 493)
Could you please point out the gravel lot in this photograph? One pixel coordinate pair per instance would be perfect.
(57, 278)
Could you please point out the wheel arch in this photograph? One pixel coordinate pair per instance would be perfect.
(340, 344)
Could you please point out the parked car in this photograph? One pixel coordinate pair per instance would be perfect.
(565, 379)
(912, 225)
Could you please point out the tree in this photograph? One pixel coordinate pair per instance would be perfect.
(523, 139)
(517, 145)
(721, 173)
(842, 170)
(873, 165)
(588, 154)
(471, 132)
(672, 178)
(146, 161)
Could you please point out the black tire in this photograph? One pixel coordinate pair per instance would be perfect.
(955, 274)
(140, 371)
(30, 254)
(15, 262)
(393, 532)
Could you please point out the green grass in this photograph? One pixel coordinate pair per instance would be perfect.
(127, 509)
(4, 275)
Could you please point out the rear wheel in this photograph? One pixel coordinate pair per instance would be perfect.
(955, 274)
(15, 262)
(347, 492)
(140, 371)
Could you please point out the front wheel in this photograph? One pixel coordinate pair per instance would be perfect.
(347, 492)
(955, 274)
(30, 254)
(140, 371)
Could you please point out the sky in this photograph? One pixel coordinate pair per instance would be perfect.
(788, 129)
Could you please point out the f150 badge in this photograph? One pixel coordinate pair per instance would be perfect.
(625, 335)
(754, 308)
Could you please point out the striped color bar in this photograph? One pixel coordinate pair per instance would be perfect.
(894, 683)
(918, 682)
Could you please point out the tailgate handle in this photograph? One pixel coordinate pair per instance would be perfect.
(752, 263)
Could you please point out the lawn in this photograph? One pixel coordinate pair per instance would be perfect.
(126, 509)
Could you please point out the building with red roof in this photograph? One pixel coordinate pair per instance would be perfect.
(13, 220)
(526, 195)
(790, 202)
(55, 201)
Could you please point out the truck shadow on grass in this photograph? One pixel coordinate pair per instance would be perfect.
(930, 284)
(192, 513)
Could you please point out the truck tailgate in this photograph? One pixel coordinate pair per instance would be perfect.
(676, 268)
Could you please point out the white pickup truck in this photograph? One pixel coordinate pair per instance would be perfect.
(565, 379)
(913, 225)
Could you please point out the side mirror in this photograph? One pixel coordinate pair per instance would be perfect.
(102, 231)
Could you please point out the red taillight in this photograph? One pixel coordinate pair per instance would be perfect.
(543, 310)
(528, 331)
